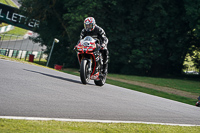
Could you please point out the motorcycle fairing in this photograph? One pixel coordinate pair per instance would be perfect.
(86, 49)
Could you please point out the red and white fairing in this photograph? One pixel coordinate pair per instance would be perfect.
(88, 47)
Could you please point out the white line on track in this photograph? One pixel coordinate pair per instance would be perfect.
(88, 120)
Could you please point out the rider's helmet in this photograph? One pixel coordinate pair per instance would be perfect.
(89, 24)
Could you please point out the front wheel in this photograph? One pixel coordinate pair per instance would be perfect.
(84, 72)
(102, 80)
(198, 104)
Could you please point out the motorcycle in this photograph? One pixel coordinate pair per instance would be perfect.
(91, 61)
(198, 102)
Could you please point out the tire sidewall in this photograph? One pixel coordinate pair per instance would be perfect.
(83, 72)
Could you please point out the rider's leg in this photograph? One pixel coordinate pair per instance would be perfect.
(105, 53)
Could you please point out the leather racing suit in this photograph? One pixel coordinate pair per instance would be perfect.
(99, 34)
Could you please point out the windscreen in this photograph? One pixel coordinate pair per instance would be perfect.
(88, 38)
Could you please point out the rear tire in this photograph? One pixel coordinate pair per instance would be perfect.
(102, 81)
(84, 73)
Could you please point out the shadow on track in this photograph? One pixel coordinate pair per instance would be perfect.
(66, 79)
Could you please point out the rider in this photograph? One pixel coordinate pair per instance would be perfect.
(93, 30)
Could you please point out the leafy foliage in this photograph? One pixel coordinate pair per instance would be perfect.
(146, 37)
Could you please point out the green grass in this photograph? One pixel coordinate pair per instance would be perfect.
(151, 80)
(185, 83)
(4, 2)
(6, 37)
(71, 71)
(22, 126)
(3, 24)
(8, 2)
(41, 62)
(16, 31)
(153, 92)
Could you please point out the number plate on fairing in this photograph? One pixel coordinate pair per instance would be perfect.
(95, 76)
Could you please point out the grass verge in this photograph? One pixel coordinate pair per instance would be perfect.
(142, 89)
(21, 126)
(8, 2)
(16, 31)
(153, 92)
(185, 83)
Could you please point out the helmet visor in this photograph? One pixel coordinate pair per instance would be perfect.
(88, 26)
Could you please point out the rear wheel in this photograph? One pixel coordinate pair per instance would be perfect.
(84, 72)
(198, 104)
(102, 80)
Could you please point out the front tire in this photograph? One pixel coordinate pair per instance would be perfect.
(84, 73)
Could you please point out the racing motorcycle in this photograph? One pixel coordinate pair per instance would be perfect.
(198, 102)
(91, 61)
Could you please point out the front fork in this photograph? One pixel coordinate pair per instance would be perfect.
(90, 65)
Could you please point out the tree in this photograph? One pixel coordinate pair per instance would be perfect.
(156, 35)
(147, 37)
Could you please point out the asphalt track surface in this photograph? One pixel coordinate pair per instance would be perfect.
(32, 91)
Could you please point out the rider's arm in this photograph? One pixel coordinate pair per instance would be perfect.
(103, 36)
(82, 35)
